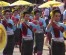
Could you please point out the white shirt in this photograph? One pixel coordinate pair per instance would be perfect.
(46, 12)
(61, 8)
(64, 15)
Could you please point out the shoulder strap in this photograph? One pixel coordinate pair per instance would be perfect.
(29, 28)
(25, 24)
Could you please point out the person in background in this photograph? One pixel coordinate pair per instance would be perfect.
(16, 18)
(39, 31)
(64, 19)
(46, 15)
(31, 15)
(62, 10)
(64, 14)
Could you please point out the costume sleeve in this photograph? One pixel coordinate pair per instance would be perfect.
(64, 15)
(63, 25)
(44, 23)
(20, 26)
(49, 30)
(32, 24)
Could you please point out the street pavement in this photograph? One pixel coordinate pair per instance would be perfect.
(16, 51)
(45, 51)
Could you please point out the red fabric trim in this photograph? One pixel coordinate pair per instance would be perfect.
(24, 28)
(56, 30)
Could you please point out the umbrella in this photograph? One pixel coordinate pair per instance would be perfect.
(3, 3)
(21, 3)
(53, 2)
(50, 4)
(44, 6)
(32, 4)
(57, 5)
(3, 38)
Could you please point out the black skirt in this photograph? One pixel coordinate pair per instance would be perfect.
(17, 34)
(10, 45)
(27, 47)
(39, 41)
(57, 48)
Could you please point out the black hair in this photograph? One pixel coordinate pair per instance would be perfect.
(56, 11)
(6, 11)
(37, 11)
(26, 12)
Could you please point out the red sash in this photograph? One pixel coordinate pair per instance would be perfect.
(40, 23)
(4, 22)
(24, 28)
(57, 30)
(14, 19)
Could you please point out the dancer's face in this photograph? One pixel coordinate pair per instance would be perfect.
(57, 17)
(7, 15)
(26, 17)
(37, 15)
